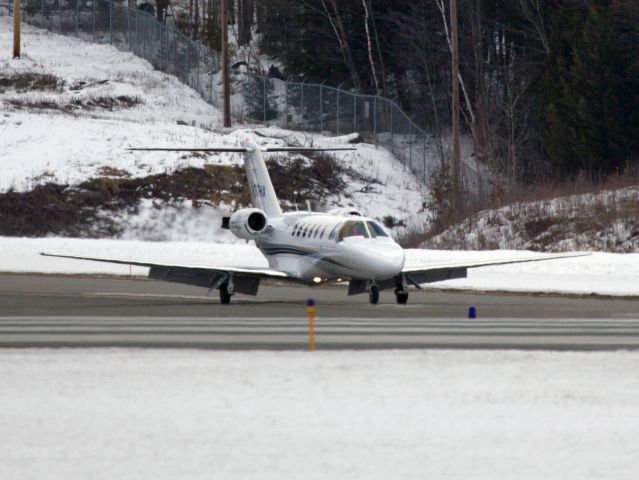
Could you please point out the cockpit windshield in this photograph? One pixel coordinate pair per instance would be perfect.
(353, 228)
(376, 229)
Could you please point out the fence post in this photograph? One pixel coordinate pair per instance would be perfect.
(286, 105)
(424, 154)
(354, 113)
(410, 143)
(43, 14)
(392, 137)
(197, 70)
(77, 18)
(302, 104)
(110, 21)
(94, 36)
(375, 120)
(337, 112)
(264, 100)
(59, 16)
(321, 107)
(188, 63)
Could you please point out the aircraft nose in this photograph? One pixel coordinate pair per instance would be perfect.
(378, 260)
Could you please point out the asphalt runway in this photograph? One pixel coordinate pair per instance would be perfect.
(63, 311)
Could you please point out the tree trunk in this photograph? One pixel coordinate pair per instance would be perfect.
(342, 38)
(369, 44)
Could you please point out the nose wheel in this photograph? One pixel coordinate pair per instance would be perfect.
(373, 294)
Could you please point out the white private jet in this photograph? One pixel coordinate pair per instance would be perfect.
(306, 247)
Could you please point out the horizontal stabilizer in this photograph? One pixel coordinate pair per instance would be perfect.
(167, 149)
(304, 149)
(239, 149)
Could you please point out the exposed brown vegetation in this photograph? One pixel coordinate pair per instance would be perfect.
(542, 223)
(80, 210)
(104, 102)
(30, 81)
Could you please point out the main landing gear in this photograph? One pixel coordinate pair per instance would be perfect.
(402, 297)
(401, 289)
(373, 294)
(225, 294)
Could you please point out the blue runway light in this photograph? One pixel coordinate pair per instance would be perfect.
(310, 302)
(472, 312)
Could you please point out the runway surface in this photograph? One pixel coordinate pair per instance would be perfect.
(57, 311)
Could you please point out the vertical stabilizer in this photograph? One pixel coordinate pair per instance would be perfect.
(262, 191)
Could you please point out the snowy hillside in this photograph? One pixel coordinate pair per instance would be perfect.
(604, 221)
(69, 110)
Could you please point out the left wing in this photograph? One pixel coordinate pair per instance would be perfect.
(246, 280)
(439, 271)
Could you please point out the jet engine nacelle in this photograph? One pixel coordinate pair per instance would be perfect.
(248, 223)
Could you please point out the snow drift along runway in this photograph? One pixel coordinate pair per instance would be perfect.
(357, 415)
(600, 273)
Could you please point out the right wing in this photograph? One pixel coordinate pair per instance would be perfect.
(245, 279)
(439, 271)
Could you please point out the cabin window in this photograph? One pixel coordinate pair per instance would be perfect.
(332, 235)
(305, 231)
(323, 232)
(376, 230)
(353, 228)
(317, 230)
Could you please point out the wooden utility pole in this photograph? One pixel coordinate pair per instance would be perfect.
(454, 46)
(16, 28)
(225, 63)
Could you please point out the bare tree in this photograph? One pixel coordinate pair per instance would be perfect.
(369, 43)
(337, 25)
(245, 14)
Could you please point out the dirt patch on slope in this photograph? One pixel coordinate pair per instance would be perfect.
(83, 210)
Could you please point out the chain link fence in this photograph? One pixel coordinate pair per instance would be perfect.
(320, 108)
(271, 101)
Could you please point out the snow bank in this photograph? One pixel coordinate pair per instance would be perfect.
(600, 273)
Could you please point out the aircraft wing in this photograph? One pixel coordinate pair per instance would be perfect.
(245, 279)
(439, 271)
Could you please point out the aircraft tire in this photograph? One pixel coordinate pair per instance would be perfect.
(373, 295)
(402, 298)
(225, 296)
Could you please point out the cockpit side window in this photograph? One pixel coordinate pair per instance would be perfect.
(333, 232)
(353, 228)
(376, 229)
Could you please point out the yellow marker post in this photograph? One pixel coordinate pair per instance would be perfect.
(310, 312)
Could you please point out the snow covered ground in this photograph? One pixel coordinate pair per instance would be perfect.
(600, 273)
(105, 414)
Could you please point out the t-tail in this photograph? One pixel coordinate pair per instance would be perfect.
(259, 181)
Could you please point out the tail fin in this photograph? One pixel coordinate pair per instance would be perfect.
(259, 182)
